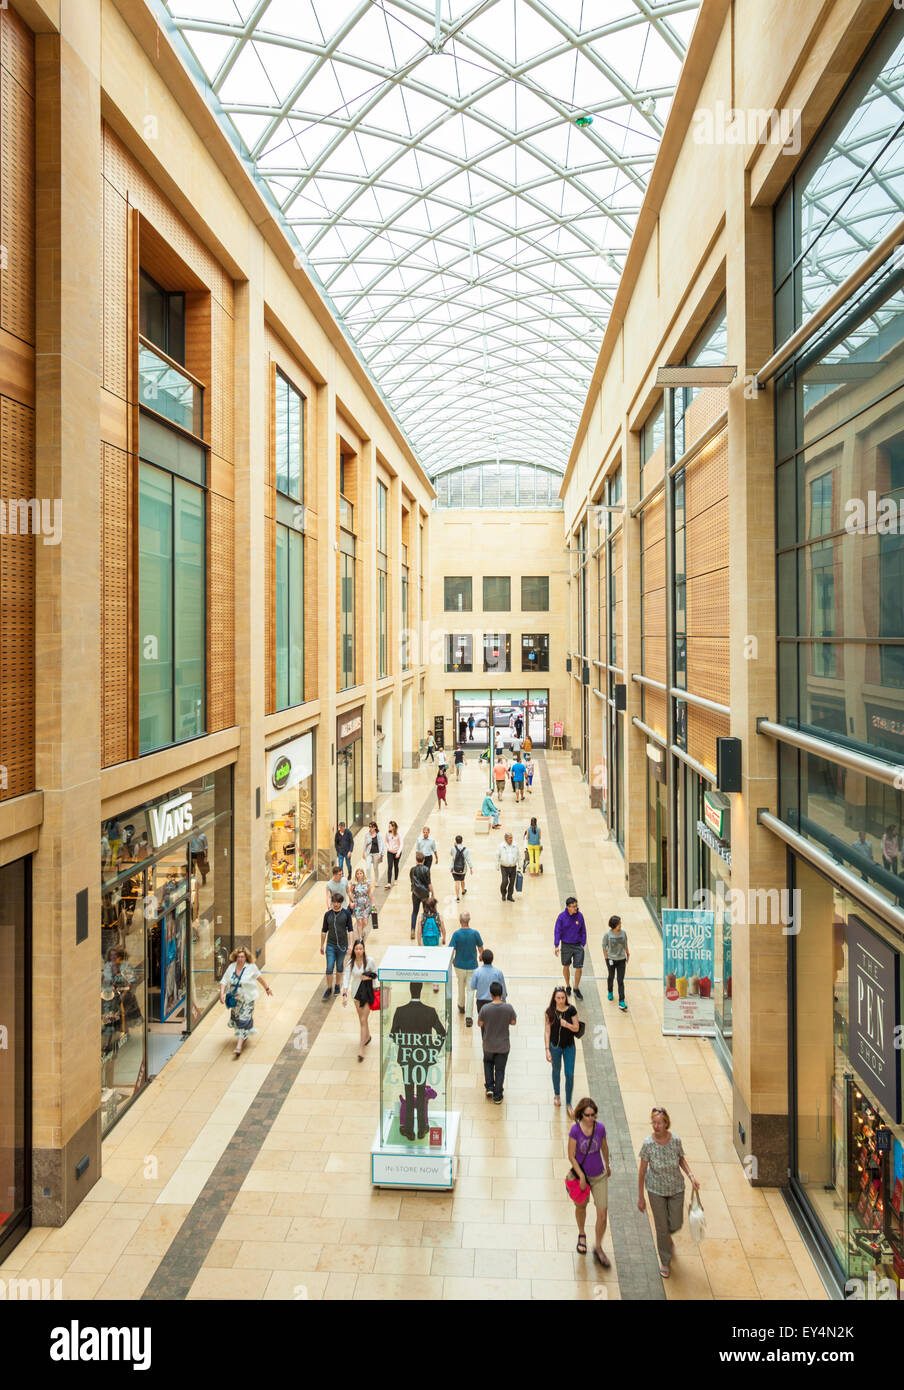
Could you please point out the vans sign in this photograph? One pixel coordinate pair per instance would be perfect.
(171, 819)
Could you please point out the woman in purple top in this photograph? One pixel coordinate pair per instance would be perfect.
(588, 1151)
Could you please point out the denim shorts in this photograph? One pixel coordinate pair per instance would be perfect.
(335, 957)
(572, 954)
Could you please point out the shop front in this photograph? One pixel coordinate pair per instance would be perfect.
(506, 712)
(350, 768)
(657, 831)
(846, 1104)
(290, 824)
(15, 1053)
(166, 929)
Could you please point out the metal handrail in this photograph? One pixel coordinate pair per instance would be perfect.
(699, 700)
(877, 768)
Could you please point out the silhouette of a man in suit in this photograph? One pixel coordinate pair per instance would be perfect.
(415, 1028)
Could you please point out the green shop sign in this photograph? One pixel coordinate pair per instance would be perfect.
(282, 771)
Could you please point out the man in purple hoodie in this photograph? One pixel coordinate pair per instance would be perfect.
(571, 936)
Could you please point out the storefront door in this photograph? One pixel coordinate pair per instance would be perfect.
(15, 1054)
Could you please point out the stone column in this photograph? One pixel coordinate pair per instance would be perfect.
(69, 276)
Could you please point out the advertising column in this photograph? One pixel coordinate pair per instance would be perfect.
(687, 963)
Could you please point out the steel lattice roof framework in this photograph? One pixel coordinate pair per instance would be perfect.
(426, 161)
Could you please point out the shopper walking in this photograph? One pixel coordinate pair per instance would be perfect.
(489, 809)
(516, 744)
(588, 1152)
(530, 768)
(441, 782)
(373, 852)
(337, 883)
(431, 747)
(239, 991)
(459, 760)
(426, 845)
(507, 856)
(344, 841)
(441, 757)
(496, 1020)
(471, 727)
(534, 845)
(357, 981)
(361, 904)
(335, 935)
(570, 939)
(615, 950)
(431, 928)
(662, 1162)
(461, 863)
(393, 843)
(560, 1026)
(485, 975)
(419, 877)
(466, 944)
(500, 772)
(516, 772)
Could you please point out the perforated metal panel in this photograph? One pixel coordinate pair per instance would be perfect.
(654, 708)
(703, 728)
(115, 605)
(654, 614)
(707, 540)
(17, 603)
(116, 292)
(708, 668)
(222, 393)
(220, 615)
(707, 477)
(654, 658)
(707, 605)
(706, 407)
(17, 188)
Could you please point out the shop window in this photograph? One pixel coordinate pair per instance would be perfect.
(171, 604)
(161, 317)
(459, 651)
(535, 593)
(457, 594)
(347, 620)
(289, 617)
(497, 594)
(535, 651)
(289, 439)
(497, 651)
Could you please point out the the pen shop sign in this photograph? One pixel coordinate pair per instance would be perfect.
(874, 1008)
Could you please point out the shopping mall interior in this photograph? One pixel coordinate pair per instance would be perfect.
(324, 329)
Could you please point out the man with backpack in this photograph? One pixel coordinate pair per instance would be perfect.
(459, 758)
(461, 862)
(419, 876)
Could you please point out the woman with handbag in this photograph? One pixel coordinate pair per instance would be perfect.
(393, 853)
(588, 1150)
(662, 1162)
(361, 904)
(561, 1026)
(238, 991)
(373, 852)
(358, 981)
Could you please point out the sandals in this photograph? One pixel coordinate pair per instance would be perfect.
(582, 1244)
(602, 1258)
(664, 1271)
(556, 1101)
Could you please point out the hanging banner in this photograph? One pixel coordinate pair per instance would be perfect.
(688, 940)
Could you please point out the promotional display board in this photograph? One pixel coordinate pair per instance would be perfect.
(874, 1013)
(688, 940)
(416, 1141)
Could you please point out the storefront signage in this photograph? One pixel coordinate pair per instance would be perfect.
(558, 728)
(290, 764)
(714, 843)
(688, 953)
(349, 726)
(716, 813)
(171, 819)
(387, 1170)
(874, 1013)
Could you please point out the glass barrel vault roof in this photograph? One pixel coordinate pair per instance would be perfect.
(427, 162)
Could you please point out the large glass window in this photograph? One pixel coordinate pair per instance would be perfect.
(497, 651)
(535, 593)
(497, 594)
(652, 436)
(459, 651)
(171, 605)
(161, 317)
(535, 651)
(382, 622)
(347, 619)
(289, 439)
(289, 617)
(457, 593)
(382, 517)
(405, 651)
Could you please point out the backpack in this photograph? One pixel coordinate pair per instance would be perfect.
(430, 932)
(458, 865)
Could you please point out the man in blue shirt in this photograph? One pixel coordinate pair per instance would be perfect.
(484, 976)
(465, 943)
(516, 772)
(571, 936)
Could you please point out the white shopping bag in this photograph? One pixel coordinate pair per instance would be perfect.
(696, 1219)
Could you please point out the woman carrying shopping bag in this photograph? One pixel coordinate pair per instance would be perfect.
(662, 1162)
(358, 981)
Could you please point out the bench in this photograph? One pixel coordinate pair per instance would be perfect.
(482, 824)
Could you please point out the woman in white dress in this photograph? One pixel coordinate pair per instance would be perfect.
(359, 970)
(239, 983)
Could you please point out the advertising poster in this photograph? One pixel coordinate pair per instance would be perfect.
(688, 938)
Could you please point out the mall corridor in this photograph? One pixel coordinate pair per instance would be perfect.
(250, 1179)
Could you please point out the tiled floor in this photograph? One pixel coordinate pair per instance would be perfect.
(250, 1179)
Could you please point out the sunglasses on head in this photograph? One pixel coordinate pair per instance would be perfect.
(657, 1110)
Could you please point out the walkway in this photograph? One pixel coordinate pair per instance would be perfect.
(250, 1179)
